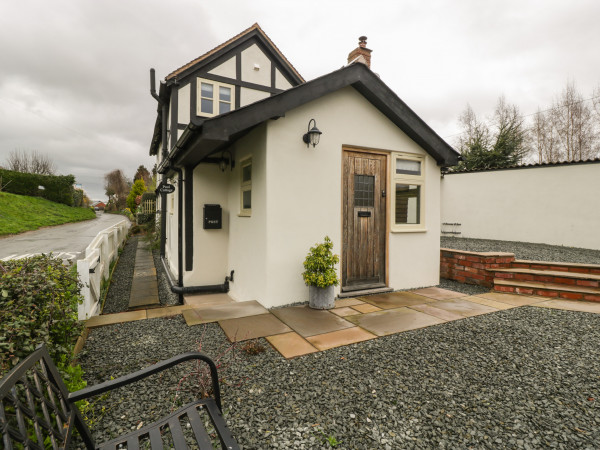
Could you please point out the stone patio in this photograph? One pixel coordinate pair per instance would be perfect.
(299, 330)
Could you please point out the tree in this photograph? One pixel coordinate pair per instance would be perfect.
(138, 188)
(30, 162)
(503, 145)
(116, 188)
(143, 174)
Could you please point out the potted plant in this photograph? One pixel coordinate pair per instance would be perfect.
(320, 276)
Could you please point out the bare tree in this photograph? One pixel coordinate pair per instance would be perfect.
(30, 162)
(116, 187)
(544, 139)
(571, 118)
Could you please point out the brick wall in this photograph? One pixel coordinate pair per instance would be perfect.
(471, 267)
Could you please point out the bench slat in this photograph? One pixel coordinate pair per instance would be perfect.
(177, 433)
(198, 426)
(155, 439)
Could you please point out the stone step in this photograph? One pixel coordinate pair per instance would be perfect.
(556, 266)
(553, 290)
(548, 276)
(214, 313)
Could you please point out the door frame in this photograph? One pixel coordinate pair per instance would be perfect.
(373, 151)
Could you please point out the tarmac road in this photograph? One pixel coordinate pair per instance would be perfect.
(67, 241)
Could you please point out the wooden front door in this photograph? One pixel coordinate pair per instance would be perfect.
(364, 221)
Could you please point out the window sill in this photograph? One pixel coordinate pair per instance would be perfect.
(245, 215)
(408, 230)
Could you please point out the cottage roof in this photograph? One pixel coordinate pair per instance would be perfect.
(203, 137)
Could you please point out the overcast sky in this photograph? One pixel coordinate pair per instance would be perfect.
(74, 74)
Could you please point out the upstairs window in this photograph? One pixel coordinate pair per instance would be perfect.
(408, 188)
(214, 98)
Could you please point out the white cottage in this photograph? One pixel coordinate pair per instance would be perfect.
(251, 196)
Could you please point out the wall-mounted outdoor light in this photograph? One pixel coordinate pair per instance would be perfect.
(224, 162)
(313, 134)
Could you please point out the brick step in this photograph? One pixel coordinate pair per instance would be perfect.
(556, 266)
(548, 276)
(554, 290)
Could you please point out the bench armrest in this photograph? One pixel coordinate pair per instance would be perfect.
(146, 372)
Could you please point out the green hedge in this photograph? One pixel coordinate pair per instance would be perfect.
(57, 188)
(38, 304)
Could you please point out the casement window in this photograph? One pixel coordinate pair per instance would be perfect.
(246, 187)
(408, 192)
(214, 98)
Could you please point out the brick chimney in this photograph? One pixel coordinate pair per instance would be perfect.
(361, 53)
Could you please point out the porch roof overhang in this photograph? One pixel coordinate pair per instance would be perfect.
(206, 136)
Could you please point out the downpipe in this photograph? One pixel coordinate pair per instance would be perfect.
(179, 289)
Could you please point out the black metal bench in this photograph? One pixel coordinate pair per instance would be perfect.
(37, 411)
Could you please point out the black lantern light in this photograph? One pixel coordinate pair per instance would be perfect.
(313, 135)
(223, 163)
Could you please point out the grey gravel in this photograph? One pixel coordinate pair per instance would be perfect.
(469, 289)
(520, 378)
(166, 296)
(524, 250)
(117, 298)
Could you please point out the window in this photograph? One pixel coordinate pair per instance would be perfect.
(246, 188)
(408, 184)
(214, 98)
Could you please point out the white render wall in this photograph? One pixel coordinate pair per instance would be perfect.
(304, 198)
(558, 205)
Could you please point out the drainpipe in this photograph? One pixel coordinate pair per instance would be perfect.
(180, 232)
(164, 151)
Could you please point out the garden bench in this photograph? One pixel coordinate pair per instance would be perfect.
(37, 411)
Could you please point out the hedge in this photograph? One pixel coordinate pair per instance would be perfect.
(38, 304)
(57, 188)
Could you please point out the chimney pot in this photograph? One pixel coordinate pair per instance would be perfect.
(361, 53)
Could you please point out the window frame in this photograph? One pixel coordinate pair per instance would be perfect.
(216, 97)
(408, 179)
(245, 186)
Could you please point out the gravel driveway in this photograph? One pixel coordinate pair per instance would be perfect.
(520, 378)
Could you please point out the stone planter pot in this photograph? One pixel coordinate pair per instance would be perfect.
(321, 298)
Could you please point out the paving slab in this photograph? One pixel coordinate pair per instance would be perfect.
(511, 299)
(143, 301)
(345, 311)
(146, 271)
(109, 319)
(207, 299)
(166, 311)
(214, 313)
(488, 302)
(342, 302)
(291, 345)
(383, 323)
(253, 327)
(341, 337)
(366, 308)
(429, 308)
(307, 321)
(392, 300)
(571, 305)
(464, 307)
(438, 293)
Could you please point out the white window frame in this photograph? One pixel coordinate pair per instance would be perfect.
(245, 186)
(216, 85)
(415, 180)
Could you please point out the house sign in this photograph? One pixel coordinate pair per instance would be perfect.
(166, 189)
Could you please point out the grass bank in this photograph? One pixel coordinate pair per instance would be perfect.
(20, 213)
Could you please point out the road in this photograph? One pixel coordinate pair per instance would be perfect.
(67, 241)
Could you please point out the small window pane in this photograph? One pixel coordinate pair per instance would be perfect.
(225, 94)
(364, 190)
(206, 106)
(247, 200)
(246, 173)
(206, 90)
(224, 107)
(408, 204)
(408, 167)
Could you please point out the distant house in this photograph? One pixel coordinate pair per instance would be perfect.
(99, 205)
(251, 196)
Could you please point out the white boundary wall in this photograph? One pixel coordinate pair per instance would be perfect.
(557, 205)
(96, 265)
